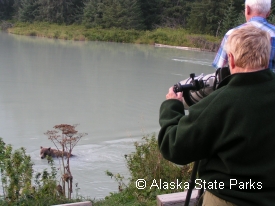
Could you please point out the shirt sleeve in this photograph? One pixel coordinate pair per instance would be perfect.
(221, 59)
(272, 55)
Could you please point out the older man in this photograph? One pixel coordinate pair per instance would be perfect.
(232, 130)
(256, 12)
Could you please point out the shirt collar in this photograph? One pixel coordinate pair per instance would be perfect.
(258, 18)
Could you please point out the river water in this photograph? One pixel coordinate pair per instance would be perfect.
(112, 90)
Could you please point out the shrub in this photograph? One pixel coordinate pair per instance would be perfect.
(17, 178)
(16, 171)
(147, 163)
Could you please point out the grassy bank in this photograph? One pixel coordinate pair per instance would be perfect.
(167, 36)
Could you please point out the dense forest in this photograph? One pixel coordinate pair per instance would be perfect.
(198, 16)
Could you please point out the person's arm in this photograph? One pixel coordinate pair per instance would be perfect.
(272, 55)
(186, 138)
(221, 59)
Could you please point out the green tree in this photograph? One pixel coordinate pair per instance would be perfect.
(93, 13)
(132, 15)
(124, 14)
(53, 11)
(28, 10)
(6, 9)
(59, 11)
(197, 19)
(205, 16)
(174, 13)
(150, 10)
(240, 19)
(16, 6)
(227, 22)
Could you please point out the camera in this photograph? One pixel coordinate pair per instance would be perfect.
(196, 88)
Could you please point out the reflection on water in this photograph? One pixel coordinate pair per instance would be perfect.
(113, 91)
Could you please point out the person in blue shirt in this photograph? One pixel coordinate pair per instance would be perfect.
(256, 12)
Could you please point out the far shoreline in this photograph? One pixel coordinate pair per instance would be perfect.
(162, 37)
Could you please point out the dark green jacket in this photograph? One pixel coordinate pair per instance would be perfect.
(232, 132)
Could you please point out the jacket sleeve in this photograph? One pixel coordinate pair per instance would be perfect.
(186, 138)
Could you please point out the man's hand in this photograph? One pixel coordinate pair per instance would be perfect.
(172, 95)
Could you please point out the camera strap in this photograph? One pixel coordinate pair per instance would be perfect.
(221, 74)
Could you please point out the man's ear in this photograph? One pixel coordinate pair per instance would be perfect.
(247, 13)
(231, 63)
(247, 10)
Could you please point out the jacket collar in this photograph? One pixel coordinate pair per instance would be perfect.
(248, 78)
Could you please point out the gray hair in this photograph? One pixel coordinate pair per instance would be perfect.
(260, 6)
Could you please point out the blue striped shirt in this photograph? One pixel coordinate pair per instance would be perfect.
(260, 22)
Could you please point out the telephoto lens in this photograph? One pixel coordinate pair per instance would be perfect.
(195, 88)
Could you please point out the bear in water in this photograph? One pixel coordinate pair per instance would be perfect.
(44, 151)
